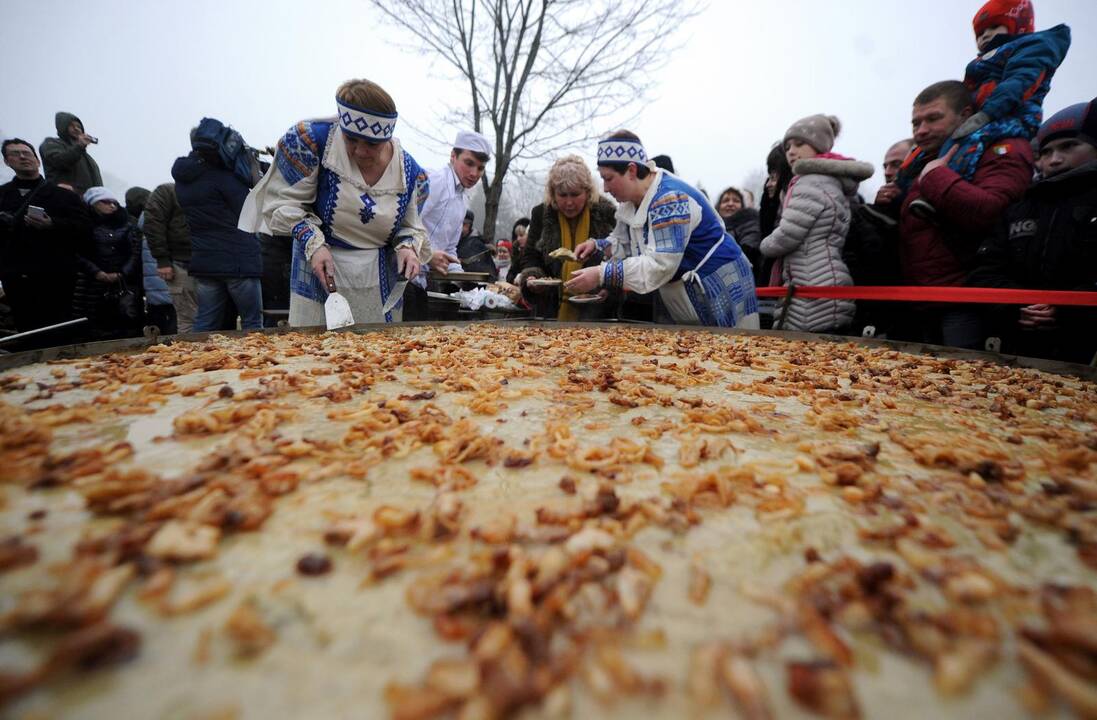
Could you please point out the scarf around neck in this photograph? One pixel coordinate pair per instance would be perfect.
(568, 241)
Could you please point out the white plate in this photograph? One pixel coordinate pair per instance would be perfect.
(545, 282)
(586, 299)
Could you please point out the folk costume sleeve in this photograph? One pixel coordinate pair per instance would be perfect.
(671, 218)
(411, 232)
(289, 189)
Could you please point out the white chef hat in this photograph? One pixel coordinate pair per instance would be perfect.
(474, 141)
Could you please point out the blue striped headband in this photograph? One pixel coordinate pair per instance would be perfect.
(369, 125)
(621, 151)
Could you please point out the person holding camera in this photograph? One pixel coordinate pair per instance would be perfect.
(66, 156)
(41, 225)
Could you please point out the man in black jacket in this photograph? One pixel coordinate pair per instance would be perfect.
(475, 254)
(1048, 241)
(41, 227)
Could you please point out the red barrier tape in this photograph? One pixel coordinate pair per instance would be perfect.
(993, 296)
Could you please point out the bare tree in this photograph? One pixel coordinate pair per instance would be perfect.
(543, 75)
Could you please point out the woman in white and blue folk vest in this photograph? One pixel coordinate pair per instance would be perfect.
(349, 196)
(668, 238)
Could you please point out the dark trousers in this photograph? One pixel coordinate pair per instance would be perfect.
(415, 303)
(959, 326)
(38, 301)
(163, 317)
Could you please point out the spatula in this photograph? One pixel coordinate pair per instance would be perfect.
(336, 308)
(394, 296)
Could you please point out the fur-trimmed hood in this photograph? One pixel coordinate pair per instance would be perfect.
(849, 172)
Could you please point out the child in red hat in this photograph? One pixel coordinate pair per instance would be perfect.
(1008, 80)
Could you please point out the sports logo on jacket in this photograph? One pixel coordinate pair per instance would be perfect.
(1022, 228)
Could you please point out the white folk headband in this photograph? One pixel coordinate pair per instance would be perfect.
(621, 151)
(368, 125)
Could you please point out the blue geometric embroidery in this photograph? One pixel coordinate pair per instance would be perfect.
(728, 294)
(366, 213)
(327, 196)
(669, 221)
(411, 171)
(362, 124)
(298, 153)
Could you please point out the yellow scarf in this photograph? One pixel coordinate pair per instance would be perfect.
(569, 312)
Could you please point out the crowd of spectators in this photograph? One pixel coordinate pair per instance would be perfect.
(985, 193)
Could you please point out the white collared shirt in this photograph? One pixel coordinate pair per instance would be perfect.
(444, 213)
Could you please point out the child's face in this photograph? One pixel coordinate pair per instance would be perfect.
(1063, 154)
(989, 34)
(798, 150)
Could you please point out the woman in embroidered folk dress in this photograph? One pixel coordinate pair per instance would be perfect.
(668, 238)
(349, 196)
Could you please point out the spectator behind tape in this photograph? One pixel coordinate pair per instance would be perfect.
(940, 250)
(1048, 240)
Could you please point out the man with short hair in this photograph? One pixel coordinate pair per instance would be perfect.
(169, 242)
(476, 255)
(894, 157)
(66, 157)
(1048, 241)
(41, 228)
(938, 248)
(443, 212)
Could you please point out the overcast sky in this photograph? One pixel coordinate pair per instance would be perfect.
(141, 74)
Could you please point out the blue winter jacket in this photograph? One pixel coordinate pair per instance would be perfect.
(211, 198)
(1012, 78)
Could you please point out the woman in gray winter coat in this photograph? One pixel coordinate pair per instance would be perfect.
(807, 243)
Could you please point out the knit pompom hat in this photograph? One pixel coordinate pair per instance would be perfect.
(96, 194)
(1078, 121)
(1016, 15)
(818, 131)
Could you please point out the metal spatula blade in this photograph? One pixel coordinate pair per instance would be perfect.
(336, 308)
(394, 296)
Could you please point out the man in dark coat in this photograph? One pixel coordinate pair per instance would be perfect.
(226, 262)
(42, 227)
(66, 157)
(474, 253)
(169, 242)
(1048, 240)
(940, 250)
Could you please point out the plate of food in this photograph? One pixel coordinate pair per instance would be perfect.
(544, 282)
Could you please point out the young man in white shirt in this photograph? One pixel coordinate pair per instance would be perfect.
(444, 211)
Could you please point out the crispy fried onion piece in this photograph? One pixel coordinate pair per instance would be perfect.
(824, 688)
(251, 417)
(24, 444)
(464, 441)
(248, 632)
(91, 648)
(720, 419)
(715, 664)
(84, 592)
(528, 617)
(940, 450)
(693, 450)
(448, 477)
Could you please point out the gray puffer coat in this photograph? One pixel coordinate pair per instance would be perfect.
(810, 237)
